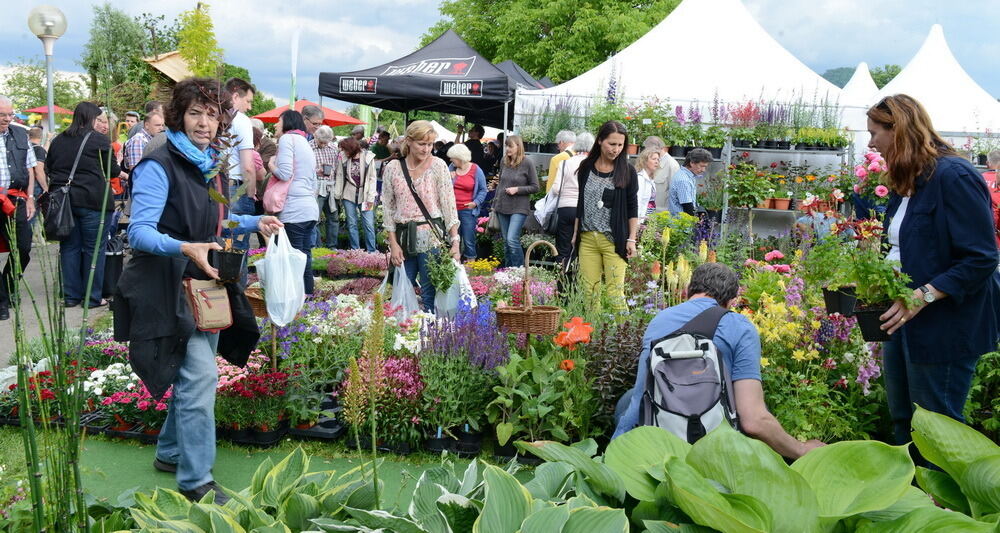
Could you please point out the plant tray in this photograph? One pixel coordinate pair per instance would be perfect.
(146, 438)
(131, 433)
(320, 431)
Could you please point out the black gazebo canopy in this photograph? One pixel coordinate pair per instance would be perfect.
(447, 76)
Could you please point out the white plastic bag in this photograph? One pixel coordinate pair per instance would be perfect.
(545, 207)
(446, 303)
(404, 298)
(281, 274)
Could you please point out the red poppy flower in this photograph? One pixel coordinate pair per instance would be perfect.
(567, 365)
(577, 331)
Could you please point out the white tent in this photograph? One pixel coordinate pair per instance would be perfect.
(955, 102)
(741, 62)
(860, 89)
(446, 135)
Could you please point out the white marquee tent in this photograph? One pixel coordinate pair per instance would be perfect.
(744, 62)
(860, 89)
(446, 135)
(955, 102)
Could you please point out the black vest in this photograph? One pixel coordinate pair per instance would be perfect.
(17, 153)
(189, 213)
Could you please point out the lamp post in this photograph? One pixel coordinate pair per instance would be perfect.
(48, 24)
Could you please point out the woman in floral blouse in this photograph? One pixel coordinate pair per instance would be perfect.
(432, 181)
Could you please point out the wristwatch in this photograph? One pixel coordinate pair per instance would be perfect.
(928, 294)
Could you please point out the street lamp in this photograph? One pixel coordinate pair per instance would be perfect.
(48, 24)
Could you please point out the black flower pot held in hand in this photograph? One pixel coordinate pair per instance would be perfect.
(841, 301)
(228, 263)
(870, 323)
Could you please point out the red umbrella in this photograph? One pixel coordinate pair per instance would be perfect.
(45, 109)
(330, 117)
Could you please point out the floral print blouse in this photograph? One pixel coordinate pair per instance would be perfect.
(435, 190)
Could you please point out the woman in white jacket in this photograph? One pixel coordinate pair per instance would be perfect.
(297, 162)
(646, 166)
(356, 186)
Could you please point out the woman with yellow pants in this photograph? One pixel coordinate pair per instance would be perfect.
(606, 215)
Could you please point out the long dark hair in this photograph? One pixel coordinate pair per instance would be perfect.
(622, 170)
(83, 119)
(292, 120)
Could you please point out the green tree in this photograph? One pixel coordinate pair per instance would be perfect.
(884, 74)
(112, 59)
(196, 41)
(162, 37)
(839, 76)
(553, 38)
(26, 86)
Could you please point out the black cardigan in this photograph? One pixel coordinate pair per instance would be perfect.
(624, 206)
(89, 181)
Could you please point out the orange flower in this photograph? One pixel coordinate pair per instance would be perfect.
(798, 179)
(577, 331)
(567, 365)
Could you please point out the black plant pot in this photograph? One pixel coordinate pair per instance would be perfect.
(761, 144)
(552, 148)
(241, 435)
(981, 159)
(714, 214)
(271, 437)
(770, 144)
(319, 432)
(784, 145)
(148, 438)
(469, 444)
(870, 324)
(810, 147)
(840, 301)
(801, 146)
(229, 264)
(532, 147)
(436, 445)
(716, 153)
(676, 151)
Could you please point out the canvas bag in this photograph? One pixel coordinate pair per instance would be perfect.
(688, 392)
(59, 221)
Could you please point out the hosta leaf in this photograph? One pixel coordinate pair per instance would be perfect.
(284, 477)
(855, 477)
(257, 482)
(631, 454)
(549, 481)
(596, 520)
(948, 443)
(145, 521)
(222, 523)
(748, 466)
(928, 519)
(382, 519)
(549, 520)
(943, 488)
(423, 507)
(298, 509)
(981, 482)
(912, 499)
(659, 526)
(460, 512)
(506, 505)
(705, 505)
(599, 475)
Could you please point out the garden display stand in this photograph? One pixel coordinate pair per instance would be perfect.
(531, 319)
(259, 306)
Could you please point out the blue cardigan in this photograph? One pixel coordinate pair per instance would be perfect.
(946, 239)
(479, 190)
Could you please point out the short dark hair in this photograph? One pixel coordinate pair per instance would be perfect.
(698, 155)
(716, 280)
(239, 86)
(204, 91)
(35, 133)
(479, 130)
(383, 133)
(84, 115)
(292, 120)
(153, 105)
(350, 146)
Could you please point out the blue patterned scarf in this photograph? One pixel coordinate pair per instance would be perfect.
(205, 159)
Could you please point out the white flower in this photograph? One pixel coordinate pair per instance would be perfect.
(130, 386)
(98, 391)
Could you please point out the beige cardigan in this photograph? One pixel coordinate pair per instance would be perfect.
(368, 179)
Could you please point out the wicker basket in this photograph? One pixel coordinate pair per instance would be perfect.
(256, 297)
(531, 319)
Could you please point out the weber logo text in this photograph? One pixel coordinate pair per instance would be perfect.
(462, 88)
(451, 66)
(358, 85)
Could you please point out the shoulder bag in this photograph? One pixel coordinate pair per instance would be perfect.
(209, 299)
(276, 191)
(59, 222)
(552, 224)
(408, 236)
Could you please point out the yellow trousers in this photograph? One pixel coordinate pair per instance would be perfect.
(600, 263)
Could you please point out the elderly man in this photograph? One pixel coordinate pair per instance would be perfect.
(327, 156)
(668, 167)
(152, 126)
(313, 117)
(683, 195)
(715, 285)
(17, 199)
(565, 139)
(358, 132)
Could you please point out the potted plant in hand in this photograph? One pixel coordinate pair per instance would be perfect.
(878, 283)
(828, 265)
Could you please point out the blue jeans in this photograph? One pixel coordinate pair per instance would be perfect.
(76, 253)
(244, 205)
(187, 438)
(510, 230)
(330, 221)
(938, 387)
(467, 229)
(300, 236)
(351, 209)
(418, 264)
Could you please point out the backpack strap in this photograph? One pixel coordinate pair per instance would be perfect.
(706, 322)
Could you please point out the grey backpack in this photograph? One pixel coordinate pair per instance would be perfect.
(688, 390)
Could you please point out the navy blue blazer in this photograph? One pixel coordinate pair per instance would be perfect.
(946, 239)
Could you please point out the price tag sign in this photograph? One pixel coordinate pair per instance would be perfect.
(647, 121)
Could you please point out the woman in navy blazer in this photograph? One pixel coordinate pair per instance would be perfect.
(945, 244)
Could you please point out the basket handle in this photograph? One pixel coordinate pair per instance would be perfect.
(526, 291)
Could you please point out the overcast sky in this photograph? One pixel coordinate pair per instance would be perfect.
(339, 35)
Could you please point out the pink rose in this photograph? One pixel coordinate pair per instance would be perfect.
(871, 156)
(881, 191)
(875, 166)
(857, 189)
(773, 254)
(860, 171)
(782, 269)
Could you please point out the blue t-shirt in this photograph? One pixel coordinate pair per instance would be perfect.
(736, 339)
(683, 190)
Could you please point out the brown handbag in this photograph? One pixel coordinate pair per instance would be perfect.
(209, 303)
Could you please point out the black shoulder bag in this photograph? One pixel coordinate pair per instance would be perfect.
(59, 222)
(408, 237)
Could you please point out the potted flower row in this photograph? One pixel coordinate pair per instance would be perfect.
(250, 410)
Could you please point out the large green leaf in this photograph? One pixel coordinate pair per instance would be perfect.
(981, 482)
(929, 519)
(550, 520)
(748, 466)
(470, 479)
(506, 506)
(223, 523)
(948, 443)
(631, 454)
(660, 526)
(912, 500)
(423, 507)
(596, 520)
(164, 504)
(599, 475)
(549, 481)
(943, 488)
(298, 509)
(276, 527)
(855, 477)
(329, 524)
(257, 482)
(253, 516)
(284, 477)
(705, 505)
(147, 522)
(460, 512)
(384, 520)
(504, 431)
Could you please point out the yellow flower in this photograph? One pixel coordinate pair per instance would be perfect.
(799, 355)
(799, 179)
(665, 237)
(764, 361)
